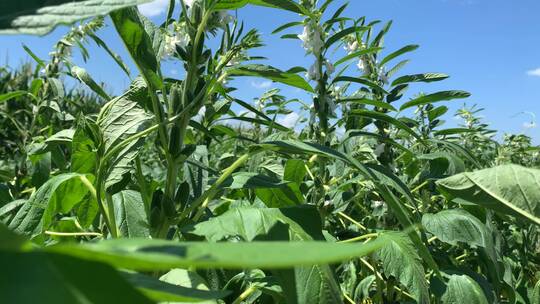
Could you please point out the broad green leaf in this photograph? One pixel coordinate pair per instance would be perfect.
(40, 17)
(451, 164)
(280, 197)
(130, 27)
(535, 296)
(403, 50)
(295, 171)
(457, 225)
(271, 73)
(427, 77)
(399, 258)
(251, 180)
(83, 148)
(119, 119)
(146, 254)
(84, 77)
(131, 217)
(248, 223)
(462, 289)
(50, 278)
(435, 97)
(508, 189)
(58, 195)
(161, 291)
(314, 284)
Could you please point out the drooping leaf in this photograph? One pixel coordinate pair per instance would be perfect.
(508, 189)
(463, 289)
(119, 119)
(131, 217)
(248, 223)
(399, 258)
(58, 195)
(161, 291)
(386, 118)
(457, 225)
(40, 17)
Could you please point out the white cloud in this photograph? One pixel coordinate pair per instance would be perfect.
(289, 120)
(261, 85)
(535, 72)
(154, 8)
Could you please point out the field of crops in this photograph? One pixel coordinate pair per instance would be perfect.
(177, 191)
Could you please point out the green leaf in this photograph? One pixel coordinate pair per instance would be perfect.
(435, 97)
(84, 77)
(10, 95)
(376, 103)
(130, 27)
(161, 291)
(130, 213)
(271, 73)
(38, 18)
(508, 189)
(280, 197)
(383, 117)
(83, 148)
(357, 54)
(288, 5)
(251, 180)
(119, 119)
(403, 50)
(250, 222)
(295, 171)
(363, 81)
(452, 131)
(463, 289)
(286, 26)
(399, 258)
(337, 36)
(457, 225)
(55, 278)
(427, 77)
(146, 254)
(58, 195)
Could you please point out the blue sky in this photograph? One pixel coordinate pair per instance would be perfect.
(490, 48)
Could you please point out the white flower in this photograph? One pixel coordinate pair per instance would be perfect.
(382, 75)
(311, 39)
(351, 47)
(330, 68)
(225, 18)
(180, 39)
(361, 66)
(379, 150)
(331, 106)
(313, 72)
(189, 2)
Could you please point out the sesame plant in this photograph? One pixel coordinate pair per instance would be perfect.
(177, 191)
